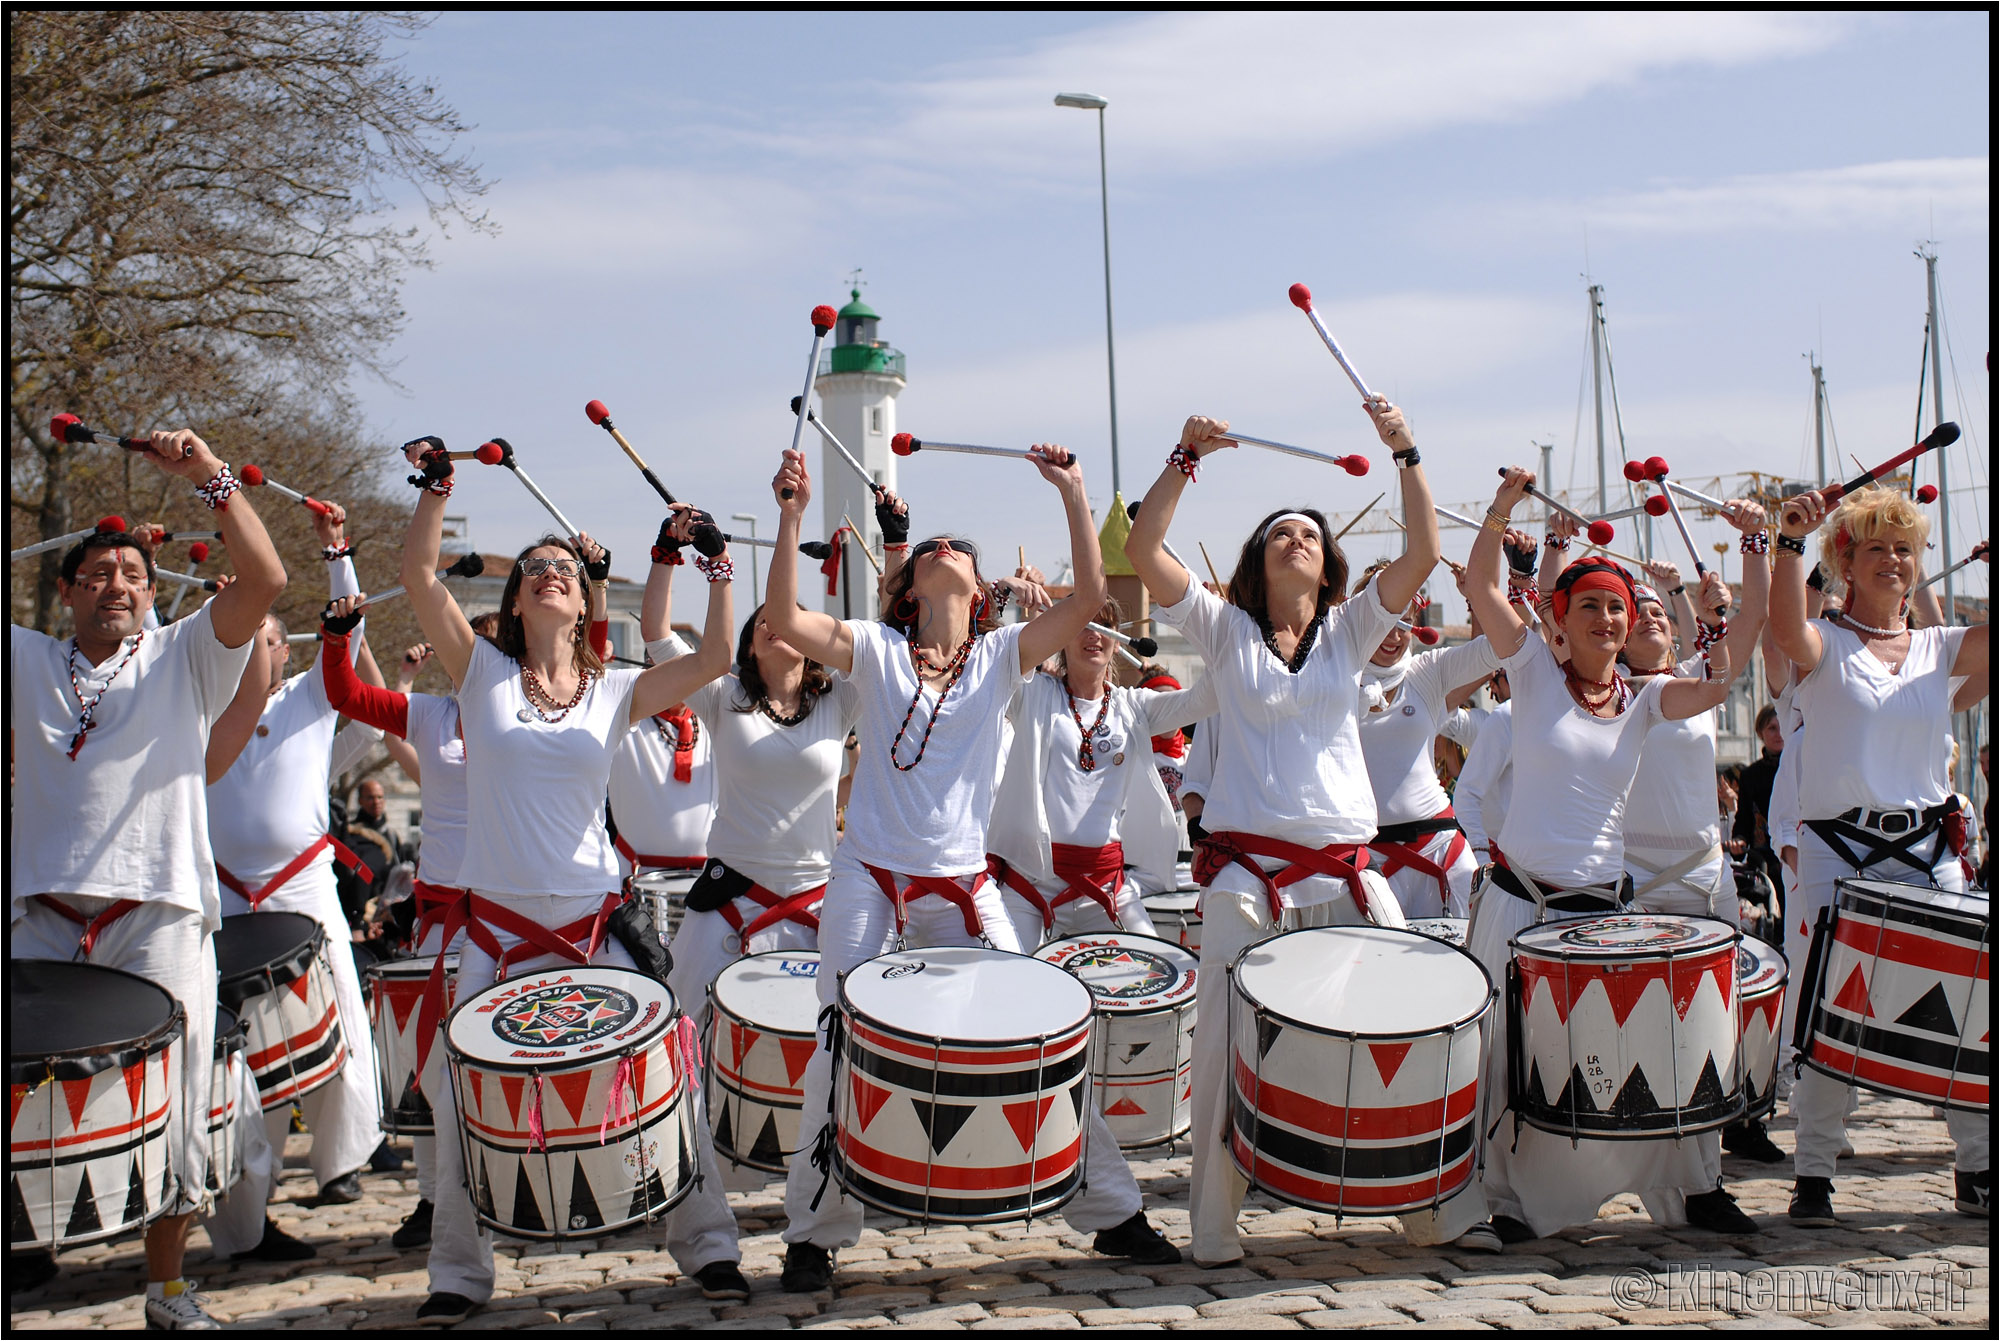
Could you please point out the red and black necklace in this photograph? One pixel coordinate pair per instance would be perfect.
(951, 670)
(1086, 753)
(87, 717)
(1615, 687)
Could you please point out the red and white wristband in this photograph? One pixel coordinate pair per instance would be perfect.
(217, 491)
(717, 569)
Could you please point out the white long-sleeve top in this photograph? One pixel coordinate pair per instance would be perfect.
(1487, 780)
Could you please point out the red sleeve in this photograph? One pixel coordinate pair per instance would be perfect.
(600, 637)
(351, 697)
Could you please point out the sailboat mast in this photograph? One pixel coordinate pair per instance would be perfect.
(1943, 455)
(1819, 418)
(1597, 386)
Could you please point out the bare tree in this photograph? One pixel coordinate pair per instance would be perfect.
(210, 215)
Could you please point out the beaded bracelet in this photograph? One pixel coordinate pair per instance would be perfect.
(333, 553)
(1754, 542)
(1181, 459)
(1792, 544)
(1559, 543)
(717, 569)
(1000, 598)
(1526, 593)
(670, 557)
(1707, 635)
(217, 491)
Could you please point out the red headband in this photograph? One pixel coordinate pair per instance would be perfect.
(1160, 682)
(1592, 575)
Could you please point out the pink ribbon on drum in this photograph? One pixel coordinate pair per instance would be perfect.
(690, 1047)
(618, 1107)
(536, 1140)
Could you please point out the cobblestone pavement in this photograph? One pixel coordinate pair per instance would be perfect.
(1902, 1257)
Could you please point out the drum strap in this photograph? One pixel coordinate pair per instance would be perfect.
(1677, 874)
(432, 903)
(1558, 898)
(944, 886)
(91, 925)
(1942, 820)
(1402, 846)
(1092, 873)
(1338, 861)
(647, 861)
(255, 899)
(775, 908)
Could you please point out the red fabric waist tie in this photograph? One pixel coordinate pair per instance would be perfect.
(1397, 855)
(773, 909)
(432, 903)
(1339, 861)
(291, 868)
(647, 861)
(1093, 873)
(944, 886)
(91, 925)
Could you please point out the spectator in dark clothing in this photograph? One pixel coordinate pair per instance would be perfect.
(1753, 798)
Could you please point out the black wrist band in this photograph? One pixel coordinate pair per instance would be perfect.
(1678, 590)
(1404, 460)
(1795, 544)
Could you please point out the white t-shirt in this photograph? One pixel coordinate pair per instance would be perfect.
(1783, 816)
(272, 803)
(535, 789)
(1871, 738)
(433, 734)
(1288, 759)
(658, 814)
(931, 819)
(1487, 780)
(1673, 795)
(128, 817)
(1198, 764)
(1574, 772)
(776, 785)
(1398, 741)
(1083, 808)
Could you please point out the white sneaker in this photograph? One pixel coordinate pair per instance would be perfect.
(1478, 1239)
(179, 1313)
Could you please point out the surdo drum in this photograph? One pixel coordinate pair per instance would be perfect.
(573, 1105)
(666, 893)
(274, 973)
(1450, 930)
(94, 1059)
(1356, 1065)
(1761, 974)
(1177, 916)
(395, 1004)
(1900, 986)
(225, 1091)
(959, 1082)
(1143, 1058)
(1625, 1026)
(763, 1030)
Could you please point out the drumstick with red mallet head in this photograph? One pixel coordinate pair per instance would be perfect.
(826, 434)
(1655, 469)
(256, 478)
(197, 556)
(823, 318)
(707, 539)
(68, 428)
(1302, 299)
(1979, 551)
(1944, 435)
(1600, 531)
(507, 459)
(1353, 465)
(113, 523)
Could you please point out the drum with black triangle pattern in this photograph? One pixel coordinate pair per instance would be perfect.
(959, 1083)
(225, 1099)
(1143, 1061)
(1903, 1001)
(395, 1007)
(274, 973)
(762, 1032)
(94, 1058)
(1761, 976)
(573, 1107)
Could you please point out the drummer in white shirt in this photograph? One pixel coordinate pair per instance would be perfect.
(911, 862)
(1876, 698)
(268, 822)
(110, 857)
(539, 866)
(1579, 728)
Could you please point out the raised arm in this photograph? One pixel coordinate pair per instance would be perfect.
(892, 514)
(238, 611)
(1166, 581)
(656, 605)
(670, 682)
(443, 623)
(1050, 632)
(235, 724)
(1400, 582)
(1485, 569)
(818, 635)
(348, 693)
(1790, 628)
(1753, 612)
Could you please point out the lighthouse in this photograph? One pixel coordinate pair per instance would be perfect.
(859, 379)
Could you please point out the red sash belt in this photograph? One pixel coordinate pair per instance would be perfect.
(432, 903)
(293, 867)
(1339, 861)
(479, 918)
(647, 861)
(1093, 873)
(91, 925)
(945, 887)
(775, 908)
(1399, 854)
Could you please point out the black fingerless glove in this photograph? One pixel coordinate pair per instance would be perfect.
(895, 525)
(598, 569)
(338, 625)
(1522, 561)
(707, 539)
(667, 545)
(434, 467)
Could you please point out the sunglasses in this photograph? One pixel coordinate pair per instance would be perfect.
(538, 565)
(965, 547)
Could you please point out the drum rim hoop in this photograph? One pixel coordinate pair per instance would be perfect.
(1858, 887)
(404, 966)
(1237, 989)
(37, 1068)
(667, 1022)
(1733, 942)
(850, 1011)
(234, 1039)
(1099, 1006)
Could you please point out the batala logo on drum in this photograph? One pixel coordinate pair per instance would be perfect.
(1121, 972)
(565, 1015)
(902, 970)
(1617, 931)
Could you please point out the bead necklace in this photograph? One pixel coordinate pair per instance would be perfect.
(87, 717)
(1613, 687)
(1297, 661)
(1869, 628)
(805, 710)
(537, 695)
(952, 670)
(1086, 754)
(675, 741)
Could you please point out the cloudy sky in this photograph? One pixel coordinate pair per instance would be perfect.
(675, 192)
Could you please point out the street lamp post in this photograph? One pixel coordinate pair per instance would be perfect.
(1091, 102)
(756, 583)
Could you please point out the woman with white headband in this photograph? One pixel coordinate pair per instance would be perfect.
(1290, 814)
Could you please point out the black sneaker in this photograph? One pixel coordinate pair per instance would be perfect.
(1511, 1230)
(415, 1231)
(1812, 1202)
(722, 1280)
(342, 1190)
(1752, 1140)
(1137, 1240)
(32, 1268)
(808, 1269)
(445, 1309)
(276, 1246)
(385, 1159)
(1717, 1211)
(1975, 1193)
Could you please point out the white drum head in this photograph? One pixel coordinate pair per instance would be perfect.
(1177, 901)
(967, 994)
(1640, 935)
(662, 882)
(1970, 903)
(776, 991)
(559, 1015)
(1759, 966)
(1363, 980)
(1126, 971)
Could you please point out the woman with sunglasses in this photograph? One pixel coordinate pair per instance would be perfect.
(541, 718)
(1290, 812)
(935, 678)
(1579, 729)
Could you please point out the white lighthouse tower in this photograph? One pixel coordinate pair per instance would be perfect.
(858, 382)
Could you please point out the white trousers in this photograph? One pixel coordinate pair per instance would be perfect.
(856, 925)
(701, 1230)
(1820, 1103)
(1539, 1178)
(166, 946)
(1419, 894)
(1077, 917)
